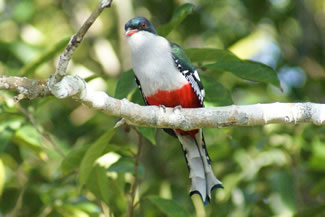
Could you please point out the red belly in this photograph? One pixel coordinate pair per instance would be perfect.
(184, 96)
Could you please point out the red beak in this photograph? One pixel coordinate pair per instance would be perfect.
(130, 32)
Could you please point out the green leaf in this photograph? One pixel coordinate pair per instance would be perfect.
(123, 165)
(101, 183)
(125, 85)
(148, 133)
(248, 70)
(11, 194)
(317, 160)
(2, 177)
(210, 55)
(137, 97)
(169, 207)
(28, 137)
(226, 61)
(122, 149)
(281, 182)
(23, 11)
(44, 57)
(313, 211)
(72, 161)
(318, 188)
(179, 15)
(70, 210)
(94, 152)
(5, 138)
(216, 93)
(106, 189)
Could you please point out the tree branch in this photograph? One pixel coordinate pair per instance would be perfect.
(186, 119)
(26, 87)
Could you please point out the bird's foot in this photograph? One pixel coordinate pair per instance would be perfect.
(163, 108)
(177, 108)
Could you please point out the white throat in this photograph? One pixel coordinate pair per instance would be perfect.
(153, 63)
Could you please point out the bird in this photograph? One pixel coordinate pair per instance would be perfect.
(166, 78)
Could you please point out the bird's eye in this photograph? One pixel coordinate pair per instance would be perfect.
(143, 25)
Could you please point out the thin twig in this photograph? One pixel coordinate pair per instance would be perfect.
(43, 134)
(132, 205)
(75, 41)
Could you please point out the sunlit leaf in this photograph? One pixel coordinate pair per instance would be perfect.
(216, 93)
(95, 151)
(44, 57)
(179, 15)
(87, 206)
(24, 52)
(317, 160)
(23, 11)
(169, 207)
(66, 210)
(125, 85)
(29, 138)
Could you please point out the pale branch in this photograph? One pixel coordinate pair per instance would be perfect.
(186, 119)
(26, 87)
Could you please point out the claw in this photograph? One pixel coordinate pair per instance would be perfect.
(162, 107)
(177, 108)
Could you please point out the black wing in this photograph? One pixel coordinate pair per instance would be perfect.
(185, 67)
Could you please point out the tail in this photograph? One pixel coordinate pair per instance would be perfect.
(198, 162)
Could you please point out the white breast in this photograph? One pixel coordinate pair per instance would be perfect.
(153, 64)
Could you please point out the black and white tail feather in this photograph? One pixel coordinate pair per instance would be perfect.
(203, 180)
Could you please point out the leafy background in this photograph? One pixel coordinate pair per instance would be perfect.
(242, 49)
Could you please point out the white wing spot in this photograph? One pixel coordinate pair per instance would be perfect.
(196, 75)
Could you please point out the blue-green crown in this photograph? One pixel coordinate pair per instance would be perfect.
(141, 24)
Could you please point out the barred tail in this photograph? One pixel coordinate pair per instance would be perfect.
(203, 180)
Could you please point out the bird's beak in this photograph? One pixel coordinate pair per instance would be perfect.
(130, 32)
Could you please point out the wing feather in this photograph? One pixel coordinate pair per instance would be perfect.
(185, 67)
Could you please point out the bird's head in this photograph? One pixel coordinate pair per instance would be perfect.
(138, 24)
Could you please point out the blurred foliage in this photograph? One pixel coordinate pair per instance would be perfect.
(274, 170)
